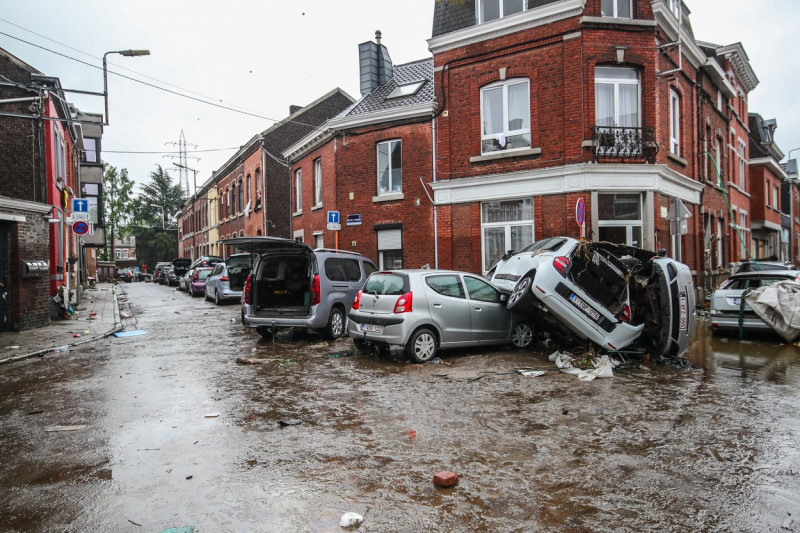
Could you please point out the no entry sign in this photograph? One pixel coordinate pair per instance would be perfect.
(580, 212)
(80, 227)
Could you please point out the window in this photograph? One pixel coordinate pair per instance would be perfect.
(617, 97)
(408, 89)
(745, 234)
(480, 290)
(505, 225)
(234, 207)
(318, 182)
(319, 241)
(675, 8)
(620, 218)
(249, 190)
(616, 8)
(338, 269)
(505, 116)
(717, 155)
(719, 99)
(446, 284)
(742, 166)
(390, 248)
(298, 191)
(91, 149)
(241, 196)
(495, 9)
(775, 203)
(91, 193)
(674, 122)
(390, 167)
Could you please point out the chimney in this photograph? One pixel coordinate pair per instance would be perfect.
(375, 65)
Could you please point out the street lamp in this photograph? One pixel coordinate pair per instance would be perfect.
(126, 53)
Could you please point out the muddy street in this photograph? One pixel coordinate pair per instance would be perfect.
(166, 429)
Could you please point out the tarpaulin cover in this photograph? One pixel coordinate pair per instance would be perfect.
(778, 305)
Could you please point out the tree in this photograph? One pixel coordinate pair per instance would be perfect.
(117, 202)
(155, 211)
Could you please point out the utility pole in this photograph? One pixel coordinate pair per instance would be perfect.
(183, 179)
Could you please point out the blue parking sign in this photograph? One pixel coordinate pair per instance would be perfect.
(80, 205)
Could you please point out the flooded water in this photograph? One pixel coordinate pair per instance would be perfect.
(173, 431)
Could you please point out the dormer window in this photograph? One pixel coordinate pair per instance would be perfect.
(408, 89)
(495, 9)
(616, 9)
(675, 7)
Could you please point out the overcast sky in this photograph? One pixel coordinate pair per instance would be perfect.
(261, 57)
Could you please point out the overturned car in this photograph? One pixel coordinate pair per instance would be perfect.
(614, 296)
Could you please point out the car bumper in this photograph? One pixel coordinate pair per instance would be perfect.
(731, 322)
(393, 329)
(310, 321)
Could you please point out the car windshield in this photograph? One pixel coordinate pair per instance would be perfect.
(544, 245)
(203, 274)
(238, 260)
(740, 284)
(386, 283)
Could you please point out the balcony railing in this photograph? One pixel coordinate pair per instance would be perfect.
(624, 143)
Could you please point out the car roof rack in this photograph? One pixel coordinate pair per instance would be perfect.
(334, 250)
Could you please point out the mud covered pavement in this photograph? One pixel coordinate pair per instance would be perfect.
(166, 429)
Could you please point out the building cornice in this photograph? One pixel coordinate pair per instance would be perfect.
(524, 20)
(712, 68)
(741, 65)
(771, 164)
(24, 205)
(676, 31)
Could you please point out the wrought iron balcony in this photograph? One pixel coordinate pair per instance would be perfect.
(624, 143)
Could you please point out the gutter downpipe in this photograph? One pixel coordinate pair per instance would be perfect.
(435, 220)
(263, 184)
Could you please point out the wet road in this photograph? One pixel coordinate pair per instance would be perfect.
(166, 429)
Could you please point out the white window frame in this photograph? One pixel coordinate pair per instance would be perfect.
(742, 165)
(674, 122)
(745, 231)
(501, 4)
(615, 7)
(389, 240)
(506, 226)
(503, 136)
(675, 8)
(298, 190)
(628, 224)
(318, 182)
(390, 147)
(775, 202)
(616, 83)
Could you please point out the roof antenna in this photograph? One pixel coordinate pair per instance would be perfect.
(378, 36)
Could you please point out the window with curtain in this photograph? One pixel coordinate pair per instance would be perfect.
(495, 9)
(505, 225)
(505, 116)
(674, 122)
(390, 167)
(742, 165)
(617, 97)
(616, 8)
(318, 182)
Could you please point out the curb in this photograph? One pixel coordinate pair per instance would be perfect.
(64, 347)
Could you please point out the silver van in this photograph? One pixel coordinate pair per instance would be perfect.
(293, 285)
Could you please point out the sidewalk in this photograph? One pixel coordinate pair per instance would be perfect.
(96, 317)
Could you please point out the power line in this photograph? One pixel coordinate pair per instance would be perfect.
(169, 152)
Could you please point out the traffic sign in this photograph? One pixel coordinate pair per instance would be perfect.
(333, 221)
(580, 212)
(80, 205)
(80, 227)
(78, 215)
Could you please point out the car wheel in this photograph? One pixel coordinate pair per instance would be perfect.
(421, 347)
(521, 295)
(335, 328)
(216, 297)
(522, 335)
(266, 332)
(205, 294)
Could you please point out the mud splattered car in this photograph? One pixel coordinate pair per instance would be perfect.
(611, 295)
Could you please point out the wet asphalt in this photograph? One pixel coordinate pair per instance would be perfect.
(199, 422)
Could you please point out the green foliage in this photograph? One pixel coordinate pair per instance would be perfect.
(155, 227)
(117, 201)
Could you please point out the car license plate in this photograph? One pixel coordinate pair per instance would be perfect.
(684, 311)
(371, 328)
(583, 306)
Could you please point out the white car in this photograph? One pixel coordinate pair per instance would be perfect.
(608, 294)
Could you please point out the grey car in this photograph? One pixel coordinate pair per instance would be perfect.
(293, 285)
(424, 310)
(226, 280)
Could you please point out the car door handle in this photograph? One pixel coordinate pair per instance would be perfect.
(437, 306)
(477, 307)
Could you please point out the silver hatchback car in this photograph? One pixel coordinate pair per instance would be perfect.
(424, 310)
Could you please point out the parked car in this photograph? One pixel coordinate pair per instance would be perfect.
(125, 274)
(424, 310)
(177, 269)
(205, 261)
(293, 285)
(727, 302)
(611, 295)
(159, 273)
(756, 266)
(185, 281)
(227, 278)
(197, 285)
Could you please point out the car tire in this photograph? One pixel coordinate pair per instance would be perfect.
(520, 298)
(336, 324)
(266, 332)
(522, 335)
(421, 346)
(217, 301)
(205, 295)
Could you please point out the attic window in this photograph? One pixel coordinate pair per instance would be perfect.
(409, 89)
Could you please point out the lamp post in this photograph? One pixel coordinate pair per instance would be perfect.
(126, 53)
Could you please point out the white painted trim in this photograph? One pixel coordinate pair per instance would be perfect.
(24, 205)
(401, 113)
(618, 21)
(568, 179)
(12, 218)
(771, 164)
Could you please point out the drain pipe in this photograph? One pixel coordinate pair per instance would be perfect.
(435, 220)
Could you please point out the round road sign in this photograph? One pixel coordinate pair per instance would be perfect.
(80, 227)
(580, 212)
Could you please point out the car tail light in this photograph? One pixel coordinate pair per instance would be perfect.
(625, 315)
(315, 290)
(561, 264)
(248, 290)
(196, 275)
(403, 304)
(224, 278)
(357, 300)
